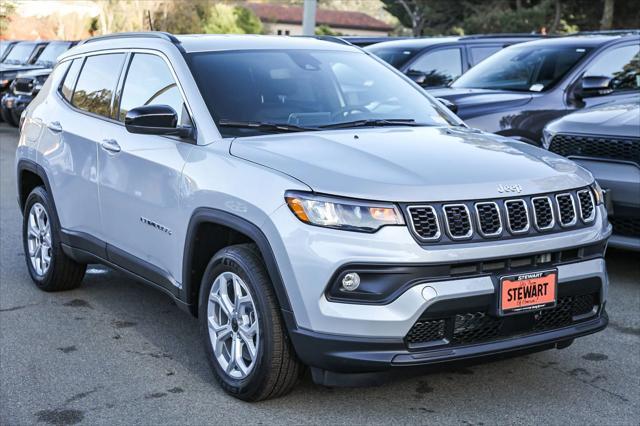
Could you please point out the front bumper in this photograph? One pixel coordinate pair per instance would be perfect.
(345, 337)
(341, 360)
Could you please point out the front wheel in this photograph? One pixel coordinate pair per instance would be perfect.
(241, 327)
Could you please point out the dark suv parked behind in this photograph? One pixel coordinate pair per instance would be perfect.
(28, 83)
(517, 91)
(437, 61)
(606, 140)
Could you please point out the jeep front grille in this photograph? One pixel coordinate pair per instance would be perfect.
(505, 218)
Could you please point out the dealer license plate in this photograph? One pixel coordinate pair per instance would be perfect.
(528, 292)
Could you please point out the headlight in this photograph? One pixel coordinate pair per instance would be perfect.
(340, 213)
(547, 135)
(598, 193)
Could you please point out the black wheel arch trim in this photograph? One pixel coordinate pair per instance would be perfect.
(219, 217)
(35, 168)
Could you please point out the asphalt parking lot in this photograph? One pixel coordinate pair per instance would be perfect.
(118, 352)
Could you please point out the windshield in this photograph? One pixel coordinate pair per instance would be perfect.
(20, 53)
(3, 47)
(396, 56)
(522, 68)
(308, 89)
(50, 53)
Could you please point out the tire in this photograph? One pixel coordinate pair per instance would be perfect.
(61, 272)
(15, 117)
(7, 116)
(275, 369)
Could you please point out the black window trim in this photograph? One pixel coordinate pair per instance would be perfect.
(75, 84)
(128, 52)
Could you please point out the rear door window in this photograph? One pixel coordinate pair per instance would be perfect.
(97, 83)
(440, 67)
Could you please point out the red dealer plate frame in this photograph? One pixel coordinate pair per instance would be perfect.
(531, 291)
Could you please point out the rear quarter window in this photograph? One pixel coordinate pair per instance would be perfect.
(97, 83)
(70, 79)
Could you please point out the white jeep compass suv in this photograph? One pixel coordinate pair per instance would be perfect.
(309, 204)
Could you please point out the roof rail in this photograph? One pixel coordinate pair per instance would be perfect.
(333, 39)
(608, 32)
(142, 34)
(501, 35)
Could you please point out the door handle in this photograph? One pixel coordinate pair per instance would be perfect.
(110, 145)
(54, 126)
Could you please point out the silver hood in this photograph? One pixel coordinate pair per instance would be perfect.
(412, 163)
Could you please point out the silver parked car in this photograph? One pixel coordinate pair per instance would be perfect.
(309, 204)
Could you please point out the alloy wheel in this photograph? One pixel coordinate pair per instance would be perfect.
(233, 325)
(39, 239)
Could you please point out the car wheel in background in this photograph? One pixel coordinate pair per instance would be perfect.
(50, 268)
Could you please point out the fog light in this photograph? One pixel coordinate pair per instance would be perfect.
(351, 281)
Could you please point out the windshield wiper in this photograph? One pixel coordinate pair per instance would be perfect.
(378, 122)
(260, 125)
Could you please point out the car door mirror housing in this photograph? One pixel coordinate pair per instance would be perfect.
(155, 120)
(450, 105)
(594, 86)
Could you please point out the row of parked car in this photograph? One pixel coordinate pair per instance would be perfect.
(577, 96)
(24, 67)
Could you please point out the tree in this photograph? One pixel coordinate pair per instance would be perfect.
(606, 23)
(181, 16)
(247, 21)
(325, 30)
(227, 19)
(7, 8)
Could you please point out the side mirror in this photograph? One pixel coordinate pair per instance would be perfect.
(591, 86)
(417, 76)
(450, 105)
(155, 120)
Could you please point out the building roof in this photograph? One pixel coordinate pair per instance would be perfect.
(278, 13)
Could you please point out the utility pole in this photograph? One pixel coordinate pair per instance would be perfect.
(309, 17)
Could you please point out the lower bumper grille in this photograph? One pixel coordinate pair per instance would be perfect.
(477, 327)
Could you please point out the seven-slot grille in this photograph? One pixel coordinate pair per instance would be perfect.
(504, 218)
